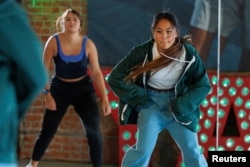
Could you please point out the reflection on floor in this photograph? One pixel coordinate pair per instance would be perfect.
(44, 163)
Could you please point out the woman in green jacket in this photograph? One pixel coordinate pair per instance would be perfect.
(160, 85)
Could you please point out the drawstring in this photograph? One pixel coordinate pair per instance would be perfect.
(144, 74)
(183, 61)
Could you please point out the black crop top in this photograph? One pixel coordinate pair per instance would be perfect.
(73, 66)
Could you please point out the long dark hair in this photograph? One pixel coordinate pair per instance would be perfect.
(173, 51)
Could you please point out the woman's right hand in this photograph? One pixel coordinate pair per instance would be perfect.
(50, 102)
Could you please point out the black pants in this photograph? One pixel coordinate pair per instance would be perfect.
(82, 96)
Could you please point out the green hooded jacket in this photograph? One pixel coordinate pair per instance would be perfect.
(190, 90)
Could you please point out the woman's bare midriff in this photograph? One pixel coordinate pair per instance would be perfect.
(72, 80)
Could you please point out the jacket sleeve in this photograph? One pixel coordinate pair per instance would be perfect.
(192, 89)
(23, 48)
(130, 93)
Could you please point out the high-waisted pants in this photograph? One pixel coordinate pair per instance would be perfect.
(154, 116)
(82, 96)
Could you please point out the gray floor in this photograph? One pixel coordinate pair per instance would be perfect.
(44, 163)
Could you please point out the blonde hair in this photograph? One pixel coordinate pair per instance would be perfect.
(59, 21)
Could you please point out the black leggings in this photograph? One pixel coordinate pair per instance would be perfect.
(82, 96)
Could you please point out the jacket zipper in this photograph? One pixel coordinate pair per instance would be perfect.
(189, 64)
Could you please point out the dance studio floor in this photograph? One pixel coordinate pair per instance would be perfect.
(44, 163)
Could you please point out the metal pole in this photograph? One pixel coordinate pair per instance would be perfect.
(218, 75)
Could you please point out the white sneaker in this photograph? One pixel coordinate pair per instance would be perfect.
(29, 165)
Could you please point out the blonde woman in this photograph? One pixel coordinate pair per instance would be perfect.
(71, 51)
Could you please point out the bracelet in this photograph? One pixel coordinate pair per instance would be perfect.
(45, 91)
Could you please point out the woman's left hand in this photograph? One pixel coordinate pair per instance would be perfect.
(106, 108)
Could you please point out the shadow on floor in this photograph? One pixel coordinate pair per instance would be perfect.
(45, 163)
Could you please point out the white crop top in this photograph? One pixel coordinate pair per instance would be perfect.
(167, 77)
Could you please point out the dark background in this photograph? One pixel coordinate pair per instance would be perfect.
(117, 25)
